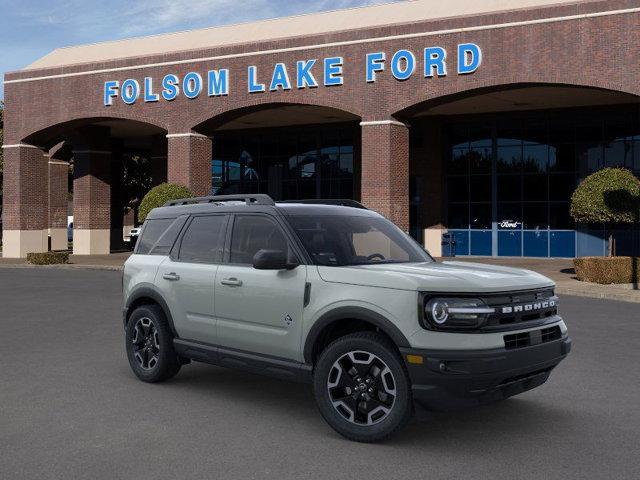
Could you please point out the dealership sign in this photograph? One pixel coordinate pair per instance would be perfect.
(308, 73)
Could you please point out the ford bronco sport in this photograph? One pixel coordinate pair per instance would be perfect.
(336, 295)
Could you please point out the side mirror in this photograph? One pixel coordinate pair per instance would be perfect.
(272, 260)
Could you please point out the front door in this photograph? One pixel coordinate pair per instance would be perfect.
(259, 311)
(187, 278)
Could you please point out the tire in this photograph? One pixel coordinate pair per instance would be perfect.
(149, 345)
(368, 414)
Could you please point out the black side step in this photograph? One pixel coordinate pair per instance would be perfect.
(241, 360)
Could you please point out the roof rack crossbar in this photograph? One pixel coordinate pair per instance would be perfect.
(256, 199)
(342, 202)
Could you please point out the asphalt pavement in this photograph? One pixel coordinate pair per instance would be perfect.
(70, 407)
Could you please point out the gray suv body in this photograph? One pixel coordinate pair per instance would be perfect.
(335, 295)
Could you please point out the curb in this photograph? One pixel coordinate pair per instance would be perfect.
(621, 297)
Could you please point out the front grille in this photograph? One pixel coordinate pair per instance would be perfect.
(535, 337)
(515, 308)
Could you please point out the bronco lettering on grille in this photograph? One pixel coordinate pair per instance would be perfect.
(529, 307)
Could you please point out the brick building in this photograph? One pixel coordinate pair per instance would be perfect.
(474, 117)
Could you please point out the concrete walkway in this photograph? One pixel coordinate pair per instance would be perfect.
(559, 270)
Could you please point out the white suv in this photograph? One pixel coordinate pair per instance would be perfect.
(336, 295)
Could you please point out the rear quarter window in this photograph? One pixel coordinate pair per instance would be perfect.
(151, 233)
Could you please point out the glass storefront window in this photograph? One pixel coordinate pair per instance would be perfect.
(286, 163)
(510, 159)
(538, 159)
(480, 216)
(535, 188)
(510, 187)
(535, 216)
(480, 188)
(458, 189)
(535, 158)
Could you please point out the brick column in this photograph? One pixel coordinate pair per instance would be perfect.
(91, 191)
(117, 191)
(25, 199)
(189, 161)
(158, 160)
(385, 170)
(58, 191)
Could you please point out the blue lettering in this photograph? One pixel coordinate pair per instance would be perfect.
(403, 64)
(149, 96)
(110, 92)
(218, 82)
(280, 78)
(130, 91)
(375, 63)
(170, 87)
(333, 71)
(192, 85)
(304, 77)
(469, 58)
(434, 58)
(254, 87)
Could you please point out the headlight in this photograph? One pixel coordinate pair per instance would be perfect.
(456, 312)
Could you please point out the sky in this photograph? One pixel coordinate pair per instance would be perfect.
(29, 29)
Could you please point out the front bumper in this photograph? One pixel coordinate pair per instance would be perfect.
(449, 379)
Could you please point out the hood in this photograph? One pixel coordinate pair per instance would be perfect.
(458, 277)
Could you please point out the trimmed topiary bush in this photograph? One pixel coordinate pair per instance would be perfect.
(611, 195)
(158, 196)
(607, 270)
(48, 258)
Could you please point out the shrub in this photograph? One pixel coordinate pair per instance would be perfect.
(48, 258)
(606, 270)
(611, 195)
(158, 196)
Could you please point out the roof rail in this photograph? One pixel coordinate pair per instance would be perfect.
(256, 199)
(343, 202)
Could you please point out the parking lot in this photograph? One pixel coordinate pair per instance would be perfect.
(71, 408)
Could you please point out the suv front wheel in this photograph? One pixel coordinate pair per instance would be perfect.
(149, 345)
(362, 387)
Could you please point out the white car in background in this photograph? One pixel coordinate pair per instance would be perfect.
(133, 237)
(69, 228)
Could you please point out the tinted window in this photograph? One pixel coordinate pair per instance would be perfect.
(342, 240)
(203, 241)
(168, 238)
(253, 233)
(151, 232)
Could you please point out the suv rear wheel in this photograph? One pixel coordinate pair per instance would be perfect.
(362, 388)
(149, 345)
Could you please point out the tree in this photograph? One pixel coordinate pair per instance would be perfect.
(160, 195)
(136, 180)
(611, 195)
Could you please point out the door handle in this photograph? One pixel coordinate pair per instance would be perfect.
(173, 276)
(231, 282)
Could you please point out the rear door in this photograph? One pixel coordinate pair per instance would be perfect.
(186, 278)
(259, 311)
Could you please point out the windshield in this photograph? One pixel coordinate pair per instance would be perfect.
(343, 240)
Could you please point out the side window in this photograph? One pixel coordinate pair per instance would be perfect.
(151, 232)
(168, 238)
(203, 241)
(252, 233)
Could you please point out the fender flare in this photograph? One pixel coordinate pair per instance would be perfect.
(148, 292)
(356, 313)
